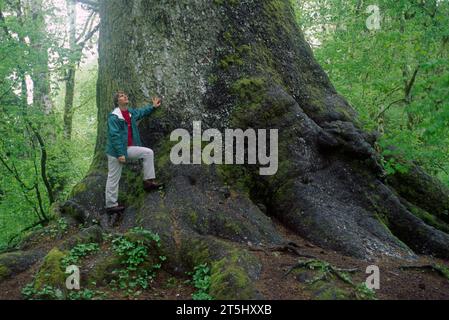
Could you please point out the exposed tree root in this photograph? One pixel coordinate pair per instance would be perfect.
(327, 270)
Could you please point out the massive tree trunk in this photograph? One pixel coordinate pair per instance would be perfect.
(244, 64)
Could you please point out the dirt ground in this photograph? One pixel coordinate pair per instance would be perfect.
(395, 283)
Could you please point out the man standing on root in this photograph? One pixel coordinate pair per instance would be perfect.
(124, 143)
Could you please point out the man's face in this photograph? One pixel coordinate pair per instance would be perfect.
(122, 99)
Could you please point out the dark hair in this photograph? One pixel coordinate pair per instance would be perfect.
(116, 97)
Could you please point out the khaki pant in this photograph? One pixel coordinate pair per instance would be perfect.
(115, 171)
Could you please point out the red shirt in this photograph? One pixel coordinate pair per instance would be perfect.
(130, 131)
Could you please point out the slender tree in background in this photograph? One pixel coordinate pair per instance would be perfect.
(76, 47)
(39, 43)
(70, 73)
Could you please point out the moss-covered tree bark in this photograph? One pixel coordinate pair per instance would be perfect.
(245, 64)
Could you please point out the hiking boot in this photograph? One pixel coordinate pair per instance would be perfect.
(117, 209)
(151, 184)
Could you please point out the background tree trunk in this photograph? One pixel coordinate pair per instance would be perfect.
(243, 64)
(77, 45)
(41, 75)
(71, 72)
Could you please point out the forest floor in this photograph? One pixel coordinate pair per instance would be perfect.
(395, 283)
(274, 284)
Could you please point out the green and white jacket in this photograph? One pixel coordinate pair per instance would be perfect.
(117, 138)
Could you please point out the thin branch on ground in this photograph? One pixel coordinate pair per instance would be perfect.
(441, 270)
(288, 247)
(40, 222)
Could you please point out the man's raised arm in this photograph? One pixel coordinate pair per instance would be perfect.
(146, 111)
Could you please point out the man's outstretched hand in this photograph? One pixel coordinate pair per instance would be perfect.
(156, 102)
